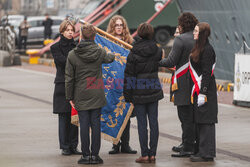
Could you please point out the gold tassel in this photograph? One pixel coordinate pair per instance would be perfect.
(192, 99)
(174, 87)
(172, 99)
(75, 120)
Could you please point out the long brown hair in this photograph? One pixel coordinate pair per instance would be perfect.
(125, 32)
(204, 33)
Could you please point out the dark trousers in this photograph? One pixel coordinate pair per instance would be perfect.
(22, 41)
(125, 136)
(186, 116)
(68, 133)
(150, 111)
(90, 118)
(206, 140)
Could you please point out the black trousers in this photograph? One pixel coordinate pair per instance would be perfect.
(22, 41)
(68, 133)
(186, 116)
(150, 111)
(206, 140)
(47, 36)
(90, 118)
(125, 136)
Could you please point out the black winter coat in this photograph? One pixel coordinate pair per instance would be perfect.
(47, 26)
(60, 52)
(208, 112)
(141, 82)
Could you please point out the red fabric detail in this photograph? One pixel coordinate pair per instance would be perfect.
(73, 112)
(182, 73)
(196, 86)
(172, 79)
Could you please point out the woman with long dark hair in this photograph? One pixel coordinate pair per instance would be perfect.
(204, 93)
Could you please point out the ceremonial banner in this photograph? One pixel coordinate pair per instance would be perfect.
(116, 113)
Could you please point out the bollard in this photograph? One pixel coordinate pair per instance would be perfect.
(33, 55)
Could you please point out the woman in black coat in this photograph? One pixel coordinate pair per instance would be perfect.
(68, 133)
(143, 89)
(204, 93)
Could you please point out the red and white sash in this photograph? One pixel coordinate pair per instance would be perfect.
(181, 71)
(197, 81)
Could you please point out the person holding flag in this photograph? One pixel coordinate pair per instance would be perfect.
(204, 93)
(118, 28)
(85, 89)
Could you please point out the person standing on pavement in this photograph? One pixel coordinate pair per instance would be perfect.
(68, 133)
(202, 63)
(24, 27)
(118, 27)
(179, 58)
(47, 23)
(142, 69)
(83, 76)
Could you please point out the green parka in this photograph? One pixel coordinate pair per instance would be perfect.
(83, 75)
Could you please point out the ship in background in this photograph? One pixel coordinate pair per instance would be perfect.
(230, 28)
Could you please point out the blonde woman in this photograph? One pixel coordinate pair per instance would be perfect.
(68, 133)
(118, 27)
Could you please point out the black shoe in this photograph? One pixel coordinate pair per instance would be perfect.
(183, 154)
(177, 148)
(84, 160)
(200, 159)
(115, 149)
(96, 160)
(66, 152)
(128, 150)
(75, 151)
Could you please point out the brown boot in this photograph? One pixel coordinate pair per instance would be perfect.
(142, 160)
(152, 159)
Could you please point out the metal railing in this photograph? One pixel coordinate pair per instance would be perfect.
(7, 40)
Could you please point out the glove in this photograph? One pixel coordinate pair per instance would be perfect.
(201, 100)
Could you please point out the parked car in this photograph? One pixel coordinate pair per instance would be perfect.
(36, 31)
(13, 20)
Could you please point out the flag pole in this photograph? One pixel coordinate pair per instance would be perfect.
(109, 36)
(115, 39)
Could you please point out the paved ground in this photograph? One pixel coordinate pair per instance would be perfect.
(28, 129)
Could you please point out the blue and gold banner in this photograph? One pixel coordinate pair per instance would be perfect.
(115, 115)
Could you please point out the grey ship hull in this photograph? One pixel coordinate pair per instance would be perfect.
(230, 24)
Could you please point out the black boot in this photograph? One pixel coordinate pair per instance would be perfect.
(66, 152)
(96, 160)
(177, 148)
(115, 149)
(75, 151)
(127, 149)
(84, 160)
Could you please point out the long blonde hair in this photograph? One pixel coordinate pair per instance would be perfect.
(125, 32)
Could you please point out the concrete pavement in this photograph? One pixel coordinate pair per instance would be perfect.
(29, 137)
